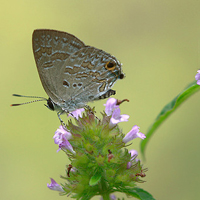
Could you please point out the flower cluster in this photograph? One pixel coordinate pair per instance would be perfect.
(96, 148)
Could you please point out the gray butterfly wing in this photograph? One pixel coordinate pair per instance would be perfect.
(51, 49)
(84, 76)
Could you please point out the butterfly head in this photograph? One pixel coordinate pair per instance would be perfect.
(50, 104)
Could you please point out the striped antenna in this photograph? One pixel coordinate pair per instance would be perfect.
(19, 104)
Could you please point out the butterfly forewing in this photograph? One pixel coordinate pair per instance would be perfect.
(51, 49)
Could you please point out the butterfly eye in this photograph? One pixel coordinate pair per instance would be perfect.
(50, 104)
(110, 65)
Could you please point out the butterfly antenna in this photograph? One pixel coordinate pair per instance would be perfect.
(18, 95)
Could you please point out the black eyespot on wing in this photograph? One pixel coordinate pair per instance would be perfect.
(110, 65)
(74, 85)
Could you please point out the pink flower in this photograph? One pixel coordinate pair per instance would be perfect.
(55, 186)
(61, 138)
(60, 134)
(134, 133)
(116, 118)
(66, 145)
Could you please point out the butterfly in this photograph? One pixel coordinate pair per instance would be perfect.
(72, 73)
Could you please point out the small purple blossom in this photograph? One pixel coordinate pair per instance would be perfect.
(197, 77)
(55, 186)
(60, 134)
(134, 133)
(77, 113)
(116, 118)
(66, 145)
(110, 105)
(134, 154)
(112, 197)
(129, 164)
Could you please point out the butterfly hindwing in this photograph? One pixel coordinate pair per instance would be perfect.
(84, 75)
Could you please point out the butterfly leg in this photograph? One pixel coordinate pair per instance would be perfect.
(61, 121)
(71, 114)
(90, 110)
(107, 94)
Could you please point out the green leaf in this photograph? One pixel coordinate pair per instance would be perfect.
(95, 179)
(167, 110)
(138, 193)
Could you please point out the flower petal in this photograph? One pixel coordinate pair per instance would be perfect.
(110, 105)
(77, 113)
(116, 118)
(66, 145)
(133, 153)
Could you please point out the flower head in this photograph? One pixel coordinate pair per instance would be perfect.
(134, 133)
(197, 77)
(110, 105)
(116, 118)
(91, 144)
(55, 186)
(77, 113)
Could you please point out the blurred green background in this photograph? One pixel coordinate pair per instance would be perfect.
(158, 43)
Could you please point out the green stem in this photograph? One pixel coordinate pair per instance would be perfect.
(104, 189)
